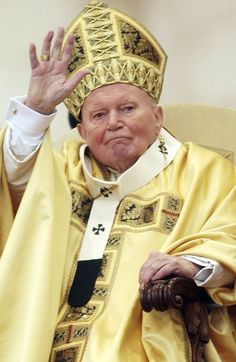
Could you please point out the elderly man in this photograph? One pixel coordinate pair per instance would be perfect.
(130, 205)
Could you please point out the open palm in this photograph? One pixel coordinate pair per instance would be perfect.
(49, 84)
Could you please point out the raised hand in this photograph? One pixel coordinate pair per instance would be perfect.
(49, 85)
(160, 265)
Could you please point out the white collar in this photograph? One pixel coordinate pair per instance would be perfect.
(150, 164)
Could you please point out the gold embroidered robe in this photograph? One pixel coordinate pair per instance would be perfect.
(190, 208)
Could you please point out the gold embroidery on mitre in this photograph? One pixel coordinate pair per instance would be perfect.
(115, 48)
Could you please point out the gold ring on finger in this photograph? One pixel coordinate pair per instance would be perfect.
(44, 57)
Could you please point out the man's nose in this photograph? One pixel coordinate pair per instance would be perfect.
(113, 120)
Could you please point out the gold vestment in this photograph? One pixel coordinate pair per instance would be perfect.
(189, 208)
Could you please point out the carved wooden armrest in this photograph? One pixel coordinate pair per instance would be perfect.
(183, 294)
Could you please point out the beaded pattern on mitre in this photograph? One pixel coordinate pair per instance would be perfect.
(116, 49)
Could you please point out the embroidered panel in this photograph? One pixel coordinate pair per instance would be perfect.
(66, 355)
(78, 55)
(113, 241)
(81, 206)
(139, 74)
(80, 313)
(75, 323)
(161, 212)
(170, 213)
(104, 266)
(136, 44)
(135, 213)
(99, 29)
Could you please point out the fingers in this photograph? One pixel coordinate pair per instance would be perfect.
(47, 43)
(56, 49)
(163, 272)
(33, 56)
(73, 81)
(159, 266)
(67, 51)
(148, 272)
(150, 267)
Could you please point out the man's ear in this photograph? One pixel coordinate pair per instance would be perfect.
(81, 130)
(159, 115)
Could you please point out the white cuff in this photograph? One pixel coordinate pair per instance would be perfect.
(22, 140)
(26, 119)
(212, 274)
(27, 129)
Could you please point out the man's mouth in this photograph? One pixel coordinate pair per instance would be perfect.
(117, 139)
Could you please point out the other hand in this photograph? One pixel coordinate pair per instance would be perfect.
(160, 265)
(49, 85)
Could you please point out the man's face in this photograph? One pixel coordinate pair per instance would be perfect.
(120, 121)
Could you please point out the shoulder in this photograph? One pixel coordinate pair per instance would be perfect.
(202, 163)
(207, 156)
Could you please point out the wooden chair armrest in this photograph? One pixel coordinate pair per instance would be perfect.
(193, 301)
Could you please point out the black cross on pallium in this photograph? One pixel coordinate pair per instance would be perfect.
(105, 191)
(98, 229)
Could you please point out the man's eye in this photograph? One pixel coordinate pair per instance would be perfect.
(99, 115)
(128, 108)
